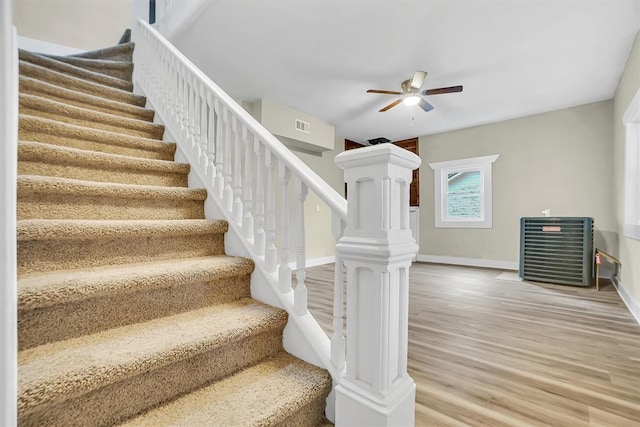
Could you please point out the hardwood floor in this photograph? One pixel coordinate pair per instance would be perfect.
(488, 349)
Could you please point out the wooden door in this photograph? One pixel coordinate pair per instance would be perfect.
(414, 190)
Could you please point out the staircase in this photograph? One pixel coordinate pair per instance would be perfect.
(129, 311)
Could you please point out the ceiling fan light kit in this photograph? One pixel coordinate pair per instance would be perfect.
(411, 94)
(411, 100)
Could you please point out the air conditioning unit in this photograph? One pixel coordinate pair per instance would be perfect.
(557, 250)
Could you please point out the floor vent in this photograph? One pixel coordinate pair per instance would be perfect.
(557, 250)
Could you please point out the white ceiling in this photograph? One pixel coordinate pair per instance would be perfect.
(514, 57)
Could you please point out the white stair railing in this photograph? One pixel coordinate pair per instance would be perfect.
(260, 187)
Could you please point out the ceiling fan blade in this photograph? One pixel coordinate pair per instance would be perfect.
(425, 105)
(386, 92)
(393, 104)
(442, 90)
(418, 79)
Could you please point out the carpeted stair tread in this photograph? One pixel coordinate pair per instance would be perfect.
(120, 69)
(80, 85)
(91, 300)
(59, 244)
(268, 394)
(37, 158)
(120, 52)
(81, 99)
(58, 371)
(60, 229)
(61, 287)
(39, 129)
(39, 106)
(72, 70)
(52, 197)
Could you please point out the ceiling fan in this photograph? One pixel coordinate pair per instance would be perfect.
(411, 94)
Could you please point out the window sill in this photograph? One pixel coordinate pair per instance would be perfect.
(632, 231)
(463, 224)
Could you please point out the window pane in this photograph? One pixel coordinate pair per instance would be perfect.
(463, 206)
(464, 194)
(464, 182)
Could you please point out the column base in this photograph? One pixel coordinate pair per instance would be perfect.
(354, 409)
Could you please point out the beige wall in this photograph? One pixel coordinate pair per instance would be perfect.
(560, 160)
(82, 24)
(320, 242)
(629, 249)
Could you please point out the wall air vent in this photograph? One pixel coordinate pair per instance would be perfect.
(557, 250)
(303, 126)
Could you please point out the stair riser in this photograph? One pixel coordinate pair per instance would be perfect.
(123, 399)
(310, 415)
(75, 206)
(42, 325)
(122, 71)
(82, 171)
(71, 70)
(53, 254)
(100, 146)
(80, 85)
(73, 98)
(121, 52)
(143, 131)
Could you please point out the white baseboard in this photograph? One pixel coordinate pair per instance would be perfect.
(40, 46)
(314, 262)
(632, 305)
(470, 262)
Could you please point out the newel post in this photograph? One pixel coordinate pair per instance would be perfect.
(377, 249)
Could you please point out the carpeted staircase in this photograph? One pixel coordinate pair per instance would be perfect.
(129, 310)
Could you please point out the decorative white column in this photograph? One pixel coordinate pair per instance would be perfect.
(377, 249)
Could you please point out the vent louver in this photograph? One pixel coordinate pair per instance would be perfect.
(557, 250)
(303, 126)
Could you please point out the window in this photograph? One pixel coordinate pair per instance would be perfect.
(463, 192)
(631, 121)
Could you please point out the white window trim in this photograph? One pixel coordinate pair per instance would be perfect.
(631, 122)
(442, 169)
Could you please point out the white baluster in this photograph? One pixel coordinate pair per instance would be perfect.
(211, 135)
(184, 126)
(227, 195)
(271, 255)
(259, 240)
(247, 219)
(176, 97)
(195, 126)
(300, 293)
(237, 174)
(202, 154)
(337, 339)
(193, 121)
(284, 272)
(219, 146)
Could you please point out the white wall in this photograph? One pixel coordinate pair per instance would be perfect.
(8, 167)
(560, 160)
(81, 24)
(628, 249)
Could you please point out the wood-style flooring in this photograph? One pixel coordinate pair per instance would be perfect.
(488, 349)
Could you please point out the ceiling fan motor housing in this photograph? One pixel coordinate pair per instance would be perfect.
(380, 140)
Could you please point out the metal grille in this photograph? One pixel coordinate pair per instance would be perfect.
(557, 250)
